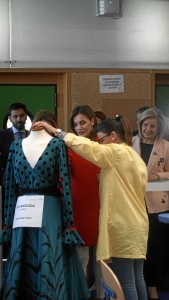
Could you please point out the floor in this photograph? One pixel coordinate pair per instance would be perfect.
(163, 295)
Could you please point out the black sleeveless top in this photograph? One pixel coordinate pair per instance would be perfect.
(146, 151)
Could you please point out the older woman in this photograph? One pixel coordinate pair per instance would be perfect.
(154, 150)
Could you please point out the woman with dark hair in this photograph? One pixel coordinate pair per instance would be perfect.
(123, 221)
(43, 262)
(100, 116)
(85, 196)
(85, 111)
(154, 150)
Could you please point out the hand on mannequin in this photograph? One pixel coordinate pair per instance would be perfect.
(44, 125)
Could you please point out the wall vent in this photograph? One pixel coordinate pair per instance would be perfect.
(109, 8)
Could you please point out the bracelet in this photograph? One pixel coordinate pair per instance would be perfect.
(62, 134)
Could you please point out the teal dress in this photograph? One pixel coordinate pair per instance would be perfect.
(43, 263)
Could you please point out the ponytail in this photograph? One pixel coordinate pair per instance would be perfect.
(120, 125)
(125, 125)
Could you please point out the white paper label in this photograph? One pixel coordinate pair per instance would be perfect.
(29, 211)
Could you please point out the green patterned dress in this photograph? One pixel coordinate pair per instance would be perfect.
(43, 262)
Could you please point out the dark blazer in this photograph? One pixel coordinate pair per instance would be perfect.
(6, 139)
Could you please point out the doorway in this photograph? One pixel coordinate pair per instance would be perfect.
(35, 97)
(58, 78)
(162, 98)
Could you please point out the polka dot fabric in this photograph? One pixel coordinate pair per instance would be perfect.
(43, 263)
(51, 169)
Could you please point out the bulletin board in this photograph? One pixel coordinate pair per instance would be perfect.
(137, 93)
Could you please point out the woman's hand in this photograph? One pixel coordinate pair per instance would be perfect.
(153, 177)
(43, 125)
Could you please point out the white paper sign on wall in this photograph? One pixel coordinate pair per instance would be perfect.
(111, 83)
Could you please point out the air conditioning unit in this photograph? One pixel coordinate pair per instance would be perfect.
(109, 8)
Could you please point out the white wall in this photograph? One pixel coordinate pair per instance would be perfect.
(68, 33)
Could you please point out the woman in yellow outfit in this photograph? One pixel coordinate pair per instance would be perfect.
(123, 222)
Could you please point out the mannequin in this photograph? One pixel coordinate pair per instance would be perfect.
(34, 145)
(45, 253)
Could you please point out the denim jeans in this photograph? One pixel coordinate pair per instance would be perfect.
(130, 274)
(84, 255)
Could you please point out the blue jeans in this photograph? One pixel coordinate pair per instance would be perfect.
(130, 274)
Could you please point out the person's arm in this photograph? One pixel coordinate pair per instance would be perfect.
(160, 170)
(102, 156)
(153, 177)
(10, 197)
(44, 125)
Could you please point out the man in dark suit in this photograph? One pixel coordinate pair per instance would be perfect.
(17, 114)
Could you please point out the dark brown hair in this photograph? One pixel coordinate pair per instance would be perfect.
(45, 115)
(85, 110)
(99, 114)
(16, 106)
(120, 125)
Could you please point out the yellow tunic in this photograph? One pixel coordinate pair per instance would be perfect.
(123, 222)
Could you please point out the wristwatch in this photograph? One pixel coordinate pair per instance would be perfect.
(60, 133)
(57, 131)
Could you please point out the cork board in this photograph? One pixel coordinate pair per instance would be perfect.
(137, 93)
